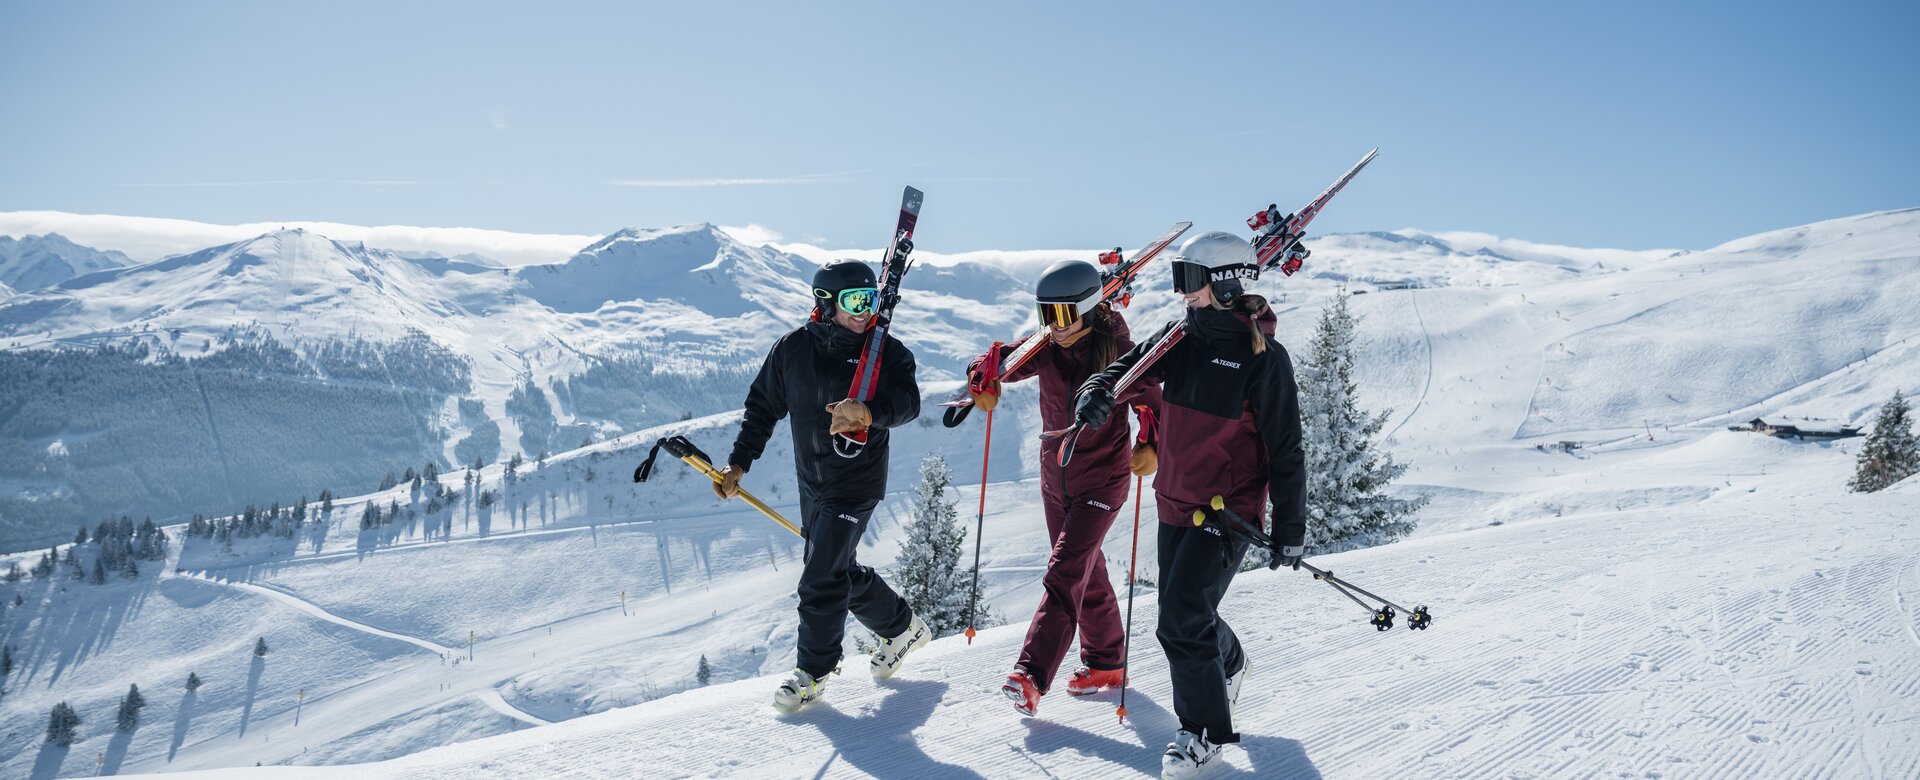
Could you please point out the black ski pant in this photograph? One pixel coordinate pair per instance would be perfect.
(832, 583)
(1196, 565)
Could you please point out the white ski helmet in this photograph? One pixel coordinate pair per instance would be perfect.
(1216, 259)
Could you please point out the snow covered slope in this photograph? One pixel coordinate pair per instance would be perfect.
(1731, 637)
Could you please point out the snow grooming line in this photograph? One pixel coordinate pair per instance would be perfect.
(683, 448)
(1383, 615)
(1276, 244)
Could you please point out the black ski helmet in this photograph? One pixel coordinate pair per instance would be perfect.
(1066, 292)
(836, 276)
(1216, 259)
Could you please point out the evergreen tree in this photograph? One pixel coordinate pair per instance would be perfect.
(387, 482)
(193, 682)
(80, 537)
(326, 501)
(705, 673)
(1891, 453)
(14, 574)
(1347, 476)
(74, 570)
(99, 572)
(260, 646)
(410, 475)
(129, 716)
(927, 573)
(62, 724)
(6, 660)
(129, 570)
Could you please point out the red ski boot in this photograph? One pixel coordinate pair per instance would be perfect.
(1087, 680)
(1024, 692)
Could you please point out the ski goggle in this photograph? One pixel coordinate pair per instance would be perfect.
(858, 300)
(1193, 277)
(1059, 315)
(1189, 277)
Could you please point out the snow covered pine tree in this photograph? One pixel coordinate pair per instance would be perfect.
(1346, 475)
(927, 571)
(1891, 453)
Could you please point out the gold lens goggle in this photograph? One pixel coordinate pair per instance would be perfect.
(1059, 315)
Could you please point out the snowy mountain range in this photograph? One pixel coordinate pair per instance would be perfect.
(1664, 597)
(33, 262)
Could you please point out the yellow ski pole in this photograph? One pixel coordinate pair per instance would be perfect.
(680, 447)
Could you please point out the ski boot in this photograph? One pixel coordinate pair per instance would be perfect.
(1187, 756)
(1024, 692)
(1233, 687)
(799, 690)
(890, 651)
(1086, 680)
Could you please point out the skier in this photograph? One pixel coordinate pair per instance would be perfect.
(806, 375)
(1231, 428)
(1084, 336)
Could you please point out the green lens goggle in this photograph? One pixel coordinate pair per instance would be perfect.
(858, 300)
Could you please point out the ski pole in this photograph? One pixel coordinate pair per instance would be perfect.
(680, 447)
(1418, 618)
(979, 527)
(1146, 436)
(1126, 639)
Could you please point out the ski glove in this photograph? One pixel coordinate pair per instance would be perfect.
(848, 416)
(985, 399)
(1146, 461)
(729, 484)
(1094, 406)
(1287, 556)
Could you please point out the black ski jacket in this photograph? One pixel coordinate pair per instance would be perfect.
(808, 369)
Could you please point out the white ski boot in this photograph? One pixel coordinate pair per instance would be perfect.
(1233, 688)
(1187, 756)
(889, 652)
(798, 691)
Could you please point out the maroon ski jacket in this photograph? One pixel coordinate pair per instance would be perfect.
(1099, 469)
(1229, 423)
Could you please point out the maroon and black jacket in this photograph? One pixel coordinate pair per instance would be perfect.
(1229, 422)
(1101, 460)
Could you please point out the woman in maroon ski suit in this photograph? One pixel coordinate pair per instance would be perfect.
(1229, 427)
(1081, 503)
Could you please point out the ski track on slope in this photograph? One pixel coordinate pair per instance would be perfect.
(308, 607)
(492, 698)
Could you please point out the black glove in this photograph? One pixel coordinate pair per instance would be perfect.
(1286, 556)
(1094, 406)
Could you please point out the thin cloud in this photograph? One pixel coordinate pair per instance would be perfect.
(752, 234)
(284, 183)
(721, 181)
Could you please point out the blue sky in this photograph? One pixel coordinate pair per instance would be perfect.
(1030, 125)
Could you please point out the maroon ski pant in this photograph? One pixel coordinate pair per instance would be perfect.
(1076, 593)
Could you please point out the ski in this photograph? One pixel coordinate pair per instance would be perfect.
(1276, 244)
(1116, 287)
(866, 376)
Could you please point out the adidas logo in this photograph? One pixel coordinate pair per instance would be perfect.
(850, 518)
(1098, 504)
(1227, 363)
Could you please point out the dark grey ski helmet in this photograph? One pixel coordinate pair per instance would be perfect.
(1066, 292)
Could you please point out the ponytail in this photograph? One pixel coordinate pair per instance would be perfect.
(1252, 306)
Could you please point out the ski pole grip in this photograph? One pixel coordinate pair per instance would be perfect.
(1218, 503)
(1199, 517)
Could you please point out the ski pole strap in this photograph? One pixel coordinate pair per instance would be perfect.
(1149, 425)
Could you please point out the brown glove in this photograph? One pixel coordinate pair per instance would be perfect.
(729, 484)
(849, 415)
(1145, 461)
(989, 399)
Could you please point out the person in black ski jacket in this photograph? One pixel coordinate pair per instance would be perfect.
(1229, 427)
(805, 378)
